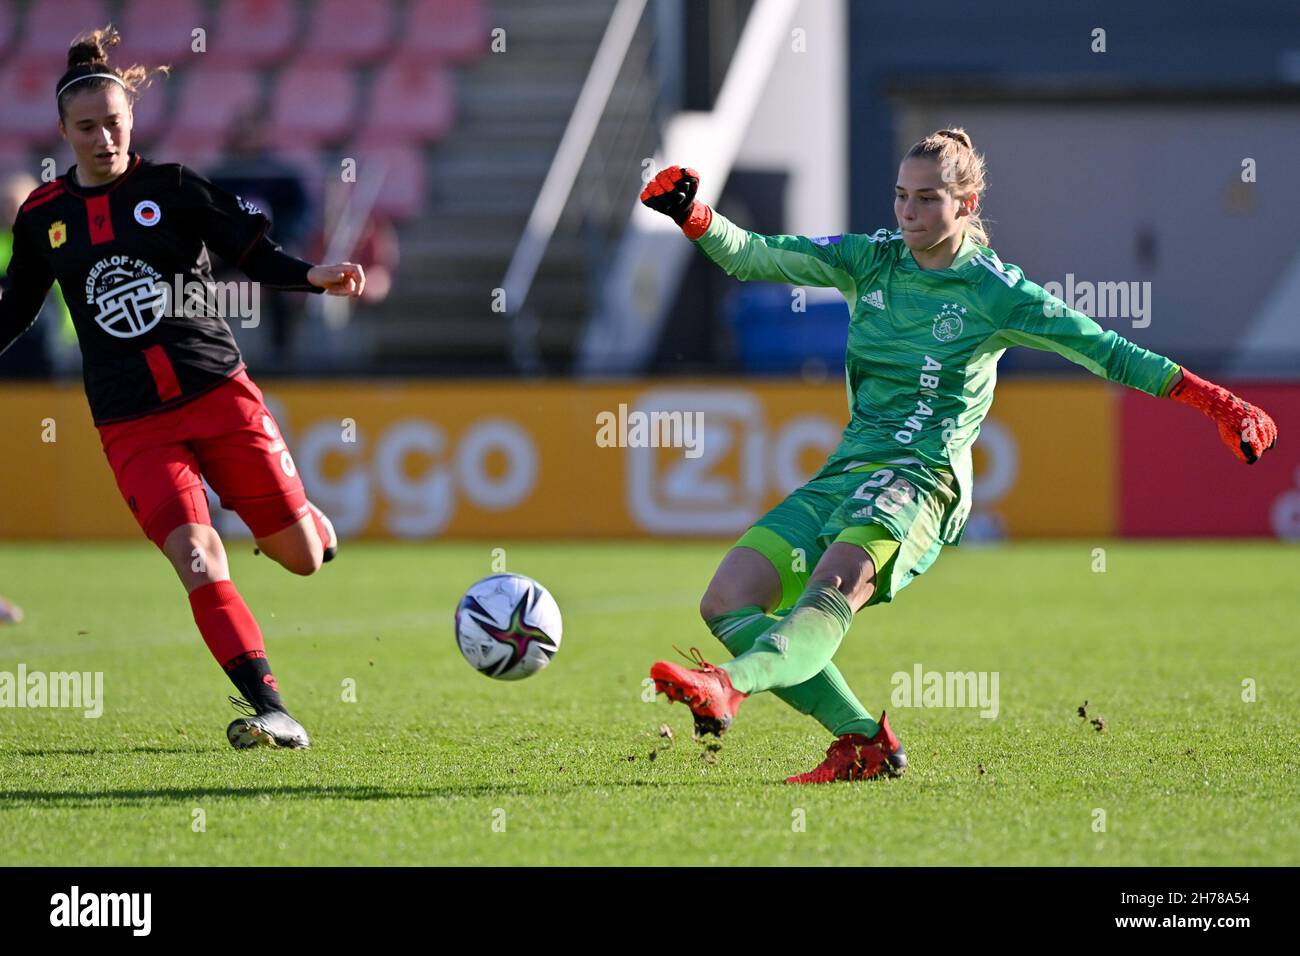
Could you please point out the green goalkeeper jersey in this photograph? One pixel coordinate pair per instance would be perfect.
(924, 344)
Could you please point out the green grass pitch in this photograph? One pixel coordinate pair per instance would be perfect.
(434, 764)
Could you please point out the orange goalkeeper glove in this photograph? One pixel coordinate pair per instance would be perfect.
(1247, 430)
(672, 192)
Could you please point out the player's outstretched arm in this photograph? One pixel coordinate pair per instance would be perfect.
(238, 232)
(268, 264)
(1245, 428)
(747, 255)
(1041, 321)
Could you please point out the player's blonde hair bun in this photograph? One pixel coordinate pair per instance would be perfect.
(962, 169)
(957, 133)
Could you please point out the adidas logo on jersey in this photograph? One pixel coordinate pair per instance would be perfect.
(876, 298)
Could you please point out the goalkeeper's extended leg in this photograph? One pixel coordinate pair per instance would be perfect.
(733, 609)
(799, 646)
(783, 652)
(863, 748)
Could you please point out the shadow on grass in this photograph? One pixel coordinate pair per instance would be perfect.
(196, 748)
(16, 799)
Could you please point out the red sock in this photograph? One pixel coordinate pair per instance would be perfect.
(232, 635)
(227, 625)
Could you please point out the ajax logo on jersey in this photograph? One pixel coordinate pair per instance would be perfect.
(948, 324)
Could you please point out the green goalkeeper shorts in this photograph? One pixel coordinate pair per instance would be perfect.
(893, 511)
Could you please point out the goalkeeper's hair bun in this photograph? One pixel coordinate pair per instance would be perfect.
(959, 134)
(962, 169)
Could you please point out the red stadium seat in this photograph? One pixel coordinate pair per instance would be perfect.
(313, 104)
(30, 116)
(254, 31)
(409, 100)
(212, 98)
(346, 32)
(450, 30)
(51, 28)
(403, 192)
(154, 32)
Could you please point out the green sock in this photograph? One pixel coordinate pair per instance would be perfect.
(796, 648)
(825, 697)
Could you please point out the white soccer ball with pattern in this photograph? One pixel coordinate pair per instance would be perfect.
(508, 626)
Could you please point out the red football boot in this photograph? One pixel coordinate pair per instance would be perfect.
(858, 757)
(888, 741)
(705, 689)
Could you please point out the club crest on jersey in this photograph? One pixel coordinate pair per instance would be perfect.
(827, 240)
(948, 324)
(147, 213)
(129, 294)
(58, 234)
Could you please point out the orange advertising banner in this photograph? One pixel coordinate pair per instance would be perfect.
(510, 459)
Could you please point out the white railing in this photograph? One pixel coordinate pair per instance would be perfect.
(564, 172)
(630, 312)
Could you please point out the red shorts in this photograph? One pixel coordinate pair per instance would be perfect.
(225, 435)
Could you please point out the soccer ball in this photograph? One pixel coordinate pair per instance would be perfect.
(508, 626)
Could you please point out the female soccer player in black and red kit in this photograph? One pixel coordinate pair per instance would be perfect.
(168, 389)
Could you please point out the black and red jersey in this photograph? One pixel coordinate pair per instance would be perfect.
(119, 252)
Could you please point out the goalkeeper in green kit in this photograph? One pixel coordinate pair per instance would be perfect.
(932, 309)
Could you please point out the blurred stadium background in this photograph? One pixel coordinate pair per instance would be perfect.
(517, 289)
